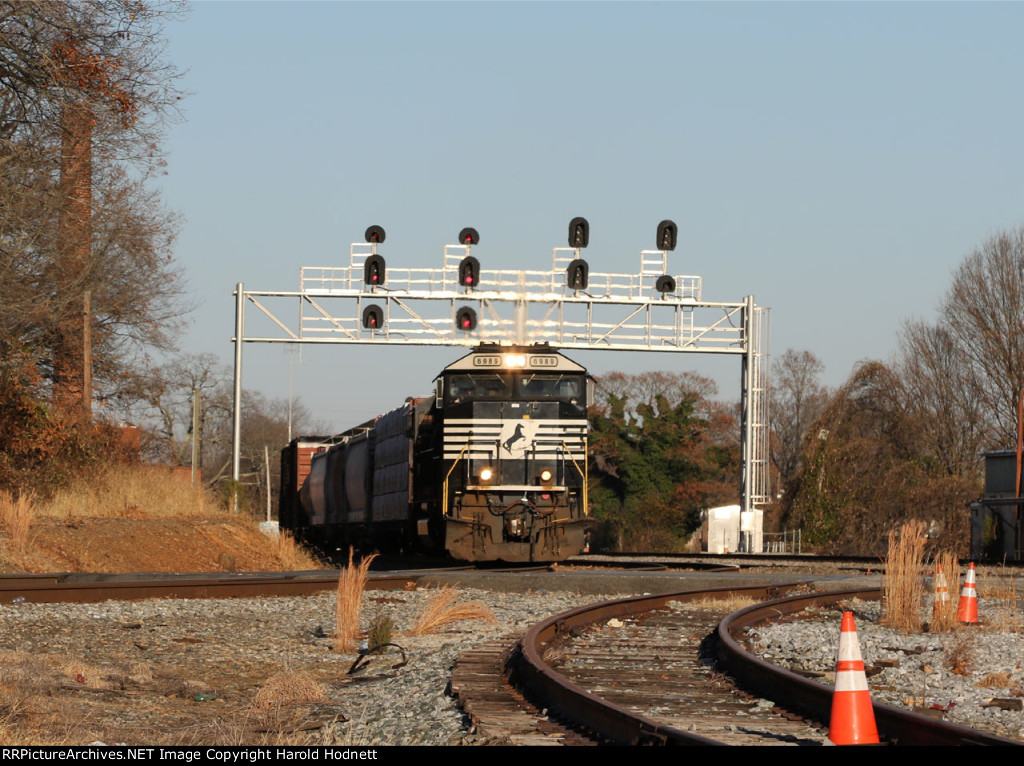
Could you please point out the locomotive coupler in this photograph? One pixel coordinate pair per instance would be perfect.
(517, 526)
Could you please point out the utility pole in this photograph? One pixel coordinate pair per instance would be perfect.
(196, 436)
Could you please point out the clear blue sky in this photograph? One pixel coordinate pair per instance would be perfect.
(835, 160)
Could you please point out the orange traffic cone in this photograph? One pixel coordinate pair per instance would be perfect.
(853, 718)
(941, 588)
(967, 611)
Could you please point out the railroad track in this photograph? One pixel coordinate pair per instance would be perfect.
(641, 671)
(93, 588)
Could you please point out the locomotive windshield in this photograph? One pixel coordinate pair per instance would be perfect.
(519, 387)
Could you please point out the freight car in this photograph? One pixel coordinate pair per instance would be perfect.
(492, 467)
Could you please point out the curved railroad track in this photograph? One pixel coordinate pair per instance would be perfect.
(651, 684)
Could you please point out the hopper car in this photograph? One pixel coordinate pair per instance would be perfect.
(491, 467)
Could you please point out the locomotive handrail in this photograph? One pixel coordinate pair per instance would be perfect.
(444, 490)
(585, 473)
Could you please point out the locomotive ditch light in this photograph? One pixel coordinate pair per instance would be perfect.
(546, 476)
(486, 474)
(373, 317)
(577, 274)
(375, 235)
(665, 284)
(469, 236)
(469, 272)
(667, 231)
(515, 360)
(465, 319)
(579, 232)
(374, 270)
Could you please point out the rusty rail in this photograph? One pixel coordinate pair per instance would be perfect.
(610, 721)
(789, 690)
(899, 726)
(71, 588)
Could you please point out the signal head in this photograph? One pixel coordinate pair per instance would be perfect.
(667, 231)
(577, 274)
(469, 272)
(665, 284)
(373, 317)
(579, 232)
(465, 319)
(375, 234)
(374, 270)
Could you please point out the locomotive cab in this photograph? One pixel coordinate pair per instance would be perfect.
(515, 454)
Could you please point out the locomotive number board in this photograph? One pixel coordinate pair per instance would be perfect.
(496, 360)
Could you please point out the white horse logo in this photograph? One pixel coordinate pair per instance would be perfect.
(517, 436)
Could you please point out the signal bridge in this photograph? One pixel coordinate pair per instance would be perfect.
(569, 307)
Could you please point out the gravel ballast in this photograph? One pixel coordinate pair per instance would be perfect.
(968, 676)
(171, 672)
(187, 672)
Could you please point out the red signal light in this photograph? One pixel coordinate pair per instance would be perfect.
(469, 270)
(373, 317)
(374, 270)
(465, 319)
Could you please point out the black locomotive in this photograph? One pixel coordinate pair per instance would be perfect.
(492, 467)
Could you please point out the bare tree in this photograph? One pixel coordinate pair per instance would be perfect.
(84, 243)
(797, 399)
(984, 310)
(954, 422)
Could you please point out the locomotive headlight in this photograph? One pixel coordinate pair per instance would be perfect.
(545, 476)
(486, 474)
(515, 360)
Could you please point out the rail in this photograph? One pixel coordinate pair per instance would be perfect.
(787, 689)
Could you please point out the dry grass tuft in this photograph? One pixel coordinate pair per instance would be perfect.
(960, 656)
(16, 516)
(291, 554)
(1001, 680)
(903, 585)
(441, 609)
(947, 567)
(296, 687)
(351, 583)
(728, 603)
(130, 491)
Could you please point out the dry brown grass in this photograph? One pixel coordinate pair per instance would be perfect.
(960, 656)
(16, 515)
(947, 572)
(288, 688)
(729, 603)
(1000, 680)
(132, 492)
(351, 583)
(440, 610)
(903, 585)
(291, 554)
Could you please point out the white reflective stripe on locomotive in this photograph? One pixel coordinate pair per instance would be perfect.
(513, 437)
